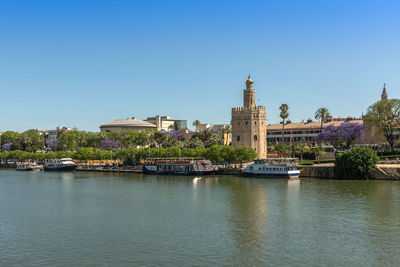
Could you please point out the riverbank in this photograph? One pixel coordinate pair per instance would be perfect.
(325, 171)
(320, 171)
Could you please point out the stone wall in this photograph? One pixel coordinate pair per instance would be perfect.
(326, 172)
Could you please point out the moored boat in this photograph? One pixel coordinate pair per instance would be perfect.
(178, 166)
(64, 164)
(273, 168)
(28, 166)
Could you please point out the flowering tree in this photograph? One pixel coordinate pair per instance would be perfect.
(109, 144)
(342, 135)
(7, 147)
(176, 134)
(51, 144)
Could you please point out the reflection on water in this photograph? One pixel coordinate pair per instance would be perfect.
(249, 218)
(128, 219)
(67, 176)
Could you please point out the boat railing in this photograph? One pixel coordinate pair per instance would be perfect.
(183, 160)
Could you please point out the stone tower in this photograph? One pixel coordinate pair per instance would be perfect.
(384, 94)
(249, 127)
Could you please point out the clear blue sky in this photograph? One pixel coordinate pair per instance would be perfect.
(85, 63)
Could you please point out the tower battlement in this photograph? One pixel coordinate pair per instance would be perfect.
(255, 108)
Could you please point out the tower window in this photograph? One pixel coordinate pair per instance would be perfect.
(238, 138)
(255, 122)
(238, 123)
(246, 122)
(255, 138)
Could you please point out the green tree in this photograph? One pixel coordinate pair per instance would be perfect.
(284, 114)
(195, 143)
(318, 151)
(322, 114)
(281, 149)
(212, 141)
(10, 137)
(357, 163)
(386, 115)
(244, 154)
(160, 139)
(68, 141)
(31, 140)
(301, 148)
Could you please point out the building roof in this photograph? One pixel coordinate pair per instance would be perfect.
(130, 122)
(308, 125)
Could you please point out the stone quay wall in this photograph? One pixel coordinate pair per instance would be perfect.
(381, 172)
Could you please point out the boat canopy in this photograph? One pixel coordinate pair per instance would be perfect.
(277, 161)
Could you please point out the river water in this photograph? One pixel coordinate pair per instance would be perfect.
(107, 219)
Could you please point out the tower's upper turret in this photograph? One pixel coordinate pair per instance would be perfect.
(249, 83)
(384, 94)
(249, 94)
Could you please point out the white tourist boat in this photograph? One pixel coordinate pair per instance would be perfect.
(29, 166)
(273, 168)
(64, 164)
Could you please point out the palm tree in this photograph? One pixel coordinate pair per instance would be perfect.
(301, 148)
(284, 115)
(171, 127)
(196, 122)
(322, 114)
(318, 151)
(281, 149)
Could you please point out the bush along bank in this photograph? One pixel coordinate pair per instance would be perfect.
(357, 163)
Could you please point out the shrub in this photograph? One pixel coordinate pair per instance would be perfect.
(357, 163)
(390, 157)
(306, 163)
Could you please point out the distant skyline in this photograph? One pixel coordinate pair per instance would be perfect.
(85, 63)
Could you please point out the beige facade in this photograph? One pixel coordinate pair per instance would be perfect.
(304, 132)
(130, 124)
(249, 123)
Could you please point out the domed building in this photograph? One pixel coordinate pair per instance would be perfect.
(131, 124)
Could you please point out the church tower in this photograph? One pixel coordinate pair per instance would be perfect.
(384, 94)
(249, 127)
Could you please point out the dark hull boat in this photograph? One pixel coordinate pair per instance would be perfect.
(65, 164)
(182, 166)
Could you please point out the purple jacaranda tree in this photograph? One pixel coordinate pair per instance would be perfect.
(342, 135)
(109, 144)
(351, 131)
(7, 147)
(51, 144)
(177, 134)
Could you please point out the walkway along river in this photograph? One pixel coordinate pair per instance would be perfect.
(126, 219)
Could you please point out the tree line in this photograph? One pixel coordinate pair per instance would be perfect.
(32, 141)
(216, 153)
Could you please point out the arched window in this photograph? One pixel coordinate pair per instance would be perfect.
(255, 122)
(246, 122)
(238, 138)
(255, 138)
